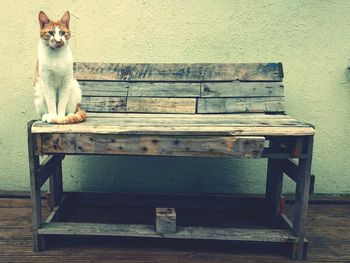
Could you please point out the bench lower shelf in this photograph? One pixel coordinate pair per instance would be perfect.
(148, 231)
(232, 218)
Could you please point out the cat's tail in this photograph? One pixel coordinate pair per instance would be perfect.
(77, 117)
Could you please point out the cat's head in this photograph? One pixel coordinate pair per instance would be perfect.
(55, 34)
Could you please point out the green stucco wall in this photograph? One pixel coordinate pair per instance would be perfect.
(311, 38)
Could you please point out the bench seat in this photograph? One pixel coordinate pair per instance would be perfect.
(183, 124)
(214, 135)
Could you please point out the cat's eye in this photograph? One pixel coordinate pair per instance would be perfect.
(62, 33)
(51, 33)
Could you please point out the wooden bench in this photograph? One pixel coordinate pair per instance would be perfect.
(211, 110)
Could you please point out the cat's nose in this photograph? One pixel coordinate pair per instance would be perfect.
(59, 43)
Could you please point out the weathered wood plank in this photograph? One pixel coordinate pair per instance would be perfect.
(185, 120)
(47, 168)
(104, 104)
(291, 169)
(200, 122)
(35, 189)
(285, 222)
(114, 128)
(104, 88)
(186, 124)
(56, 182)
(165, 220)
(232, 105)
(298, 147)
(233, 234)
(167, 89)
(57, 212)
(302, 198)
(242, 89)
(179, 72)
(161, 105)
(190, 116)
(274, 184)
(239, 147)
(279, 154)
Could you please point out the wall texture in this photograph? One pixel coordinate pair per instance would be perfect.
(311, 38)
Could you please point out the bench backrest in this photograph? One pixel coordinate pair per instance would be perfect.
(181, 88)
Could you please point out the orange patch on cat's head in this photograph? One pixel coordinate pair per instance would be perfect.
(49, 29)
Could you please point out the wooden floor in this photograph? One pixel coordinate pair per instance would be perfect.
(328, 232)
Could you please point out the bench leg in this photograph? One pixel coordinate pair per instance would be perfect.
(274, 183)
(302, 199)
(56, 184)
(35, 193)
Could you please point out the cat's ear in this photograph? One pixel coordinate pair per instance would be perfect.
(65, 19)
(43, 19)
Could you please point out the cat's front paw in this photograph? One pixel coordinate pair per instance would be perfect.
(48, 117)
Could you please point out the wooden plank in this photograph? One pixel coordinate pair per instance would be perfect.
(56, 182)
(279, 154)
(232, 105)
(200, 122)
(47, 168)
(302, 199)
(35, 189)
(242, 89)
(38, 145)
(274, 183)
(165, 220)
(164, 89)
(202, 119)
(293, 144)
(285, 222)
(238, 147)
(114, 128)
(104, 88)
(298, 147)
(231, 234)
(178, 72)
(104, 104)
(291, 169)
(161, 105)
(191, 116)
(229, 120)
(218, 121)
(57, 212)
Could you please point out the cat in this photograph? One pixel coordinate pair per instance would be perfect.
(57, 92)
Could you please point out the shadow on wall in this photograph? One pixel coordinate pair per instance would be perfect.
(164, 174)
(347, 72)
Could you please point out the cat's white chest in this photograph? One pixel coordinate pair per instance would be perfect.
(59, 66)
(55, 63)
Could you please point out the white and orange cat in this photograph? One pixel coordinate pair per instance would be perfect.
(57, 92)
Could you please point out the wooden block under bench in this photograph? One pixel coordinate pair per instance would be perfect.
(165, 220)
